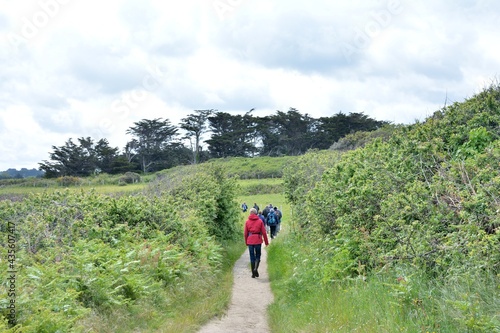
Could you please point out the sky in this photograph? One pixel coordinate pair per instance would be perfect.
(74, 68)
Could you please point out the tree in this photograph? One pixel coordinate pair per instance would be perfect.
(195, 125)
(80, 159)
(152, 139)
(105, 156)
(289, 133)
(121, 164)
(231, 135)
(252, 136)
(331, 129)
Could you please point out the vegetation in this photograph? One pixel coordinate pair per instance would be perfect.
(195, 126)
(80, 160)
(88, 262)
(254, 168)
(101, 183)
(362, 138)
(400, 235)
(395, 230)
(157, 145)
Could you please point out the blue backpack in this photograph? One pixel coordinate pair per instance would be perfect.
(272, 219)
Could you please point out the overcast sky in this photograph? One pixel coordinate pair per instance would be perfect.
(73, 68)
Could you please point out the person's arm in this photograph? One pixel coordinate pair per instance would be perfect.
(246, 234)
(264, 233)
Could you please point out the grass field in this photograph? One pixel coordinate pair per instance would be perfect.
(277, 199)
(24, 190)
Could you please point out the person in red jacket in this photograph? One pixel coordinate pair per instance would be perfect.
(254, 231)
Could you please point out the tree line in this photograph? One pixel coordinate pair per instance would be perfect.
(158, 144)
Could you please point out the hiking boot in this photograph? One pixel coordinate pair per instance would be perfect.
(253, 269)
(255, 272)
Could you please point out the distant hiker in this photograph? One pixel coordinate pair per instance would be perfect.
(266, 210)
(259, 214)
(254, 231)
(279, 215)
(272, 222)
(256, 206)
(244, 207)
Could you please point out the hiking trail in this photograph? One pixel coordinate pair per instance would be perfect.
(247, 311)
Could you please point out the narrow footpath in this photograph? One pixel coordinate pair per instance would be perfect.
(250, 298)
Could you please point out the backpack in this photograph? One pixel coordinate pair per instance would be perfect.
(278, 214)
(272, 219)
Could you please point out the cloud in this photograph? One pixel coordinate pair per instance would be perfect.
(106, 69)
(3, 22)
(289, 39)
(24, 141)
(73, 68)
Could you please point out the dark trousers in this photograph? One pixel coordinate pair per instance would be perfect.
(255, 252)
(272, 229)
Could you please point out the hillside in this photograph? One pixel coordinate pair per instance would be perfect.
(260, 167)
(80, 261)
(417, 216)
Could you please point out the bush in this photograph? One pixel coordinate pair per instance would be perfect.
(361, 138)
(424, 202)
(81, 254)
(68, 181)
(206, 190)
(129, 178)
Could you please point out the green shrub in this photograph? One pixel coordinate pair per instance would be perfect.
(68, 181)
(207, 191)
(420, 208)
(80, 254)
(129, 178)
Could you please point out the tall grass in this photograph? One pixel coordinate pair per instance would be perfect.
(262, 167)
(200, 299)
(102, 183)
(104, 189)
(389, 301)
(251, 187)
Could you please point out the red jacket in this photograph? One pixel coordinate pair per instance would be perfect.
(254, 230)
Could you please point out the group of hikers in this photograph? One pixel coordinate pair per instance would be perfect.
(270, 216)
(257, 226)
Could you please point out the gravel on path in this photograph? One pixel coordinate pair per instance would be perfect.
(250, 298)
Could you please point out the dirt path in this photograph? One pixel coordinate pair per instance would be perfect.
(247, 311)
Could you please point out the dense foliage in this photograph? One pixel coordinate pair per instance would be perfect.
(157, 145)
(81, 159)
(84, 254)
(425, 202)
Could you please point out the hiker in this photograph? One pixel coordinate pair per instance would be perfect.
(256, 206)
(264, 213)
(272, 222)
(254, 231)
(279, 215)
(266, 210)
(244, 207)
(259, 214)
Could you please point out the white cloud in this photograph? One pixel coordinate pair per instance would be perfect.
(24, 142)
(73, 68)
